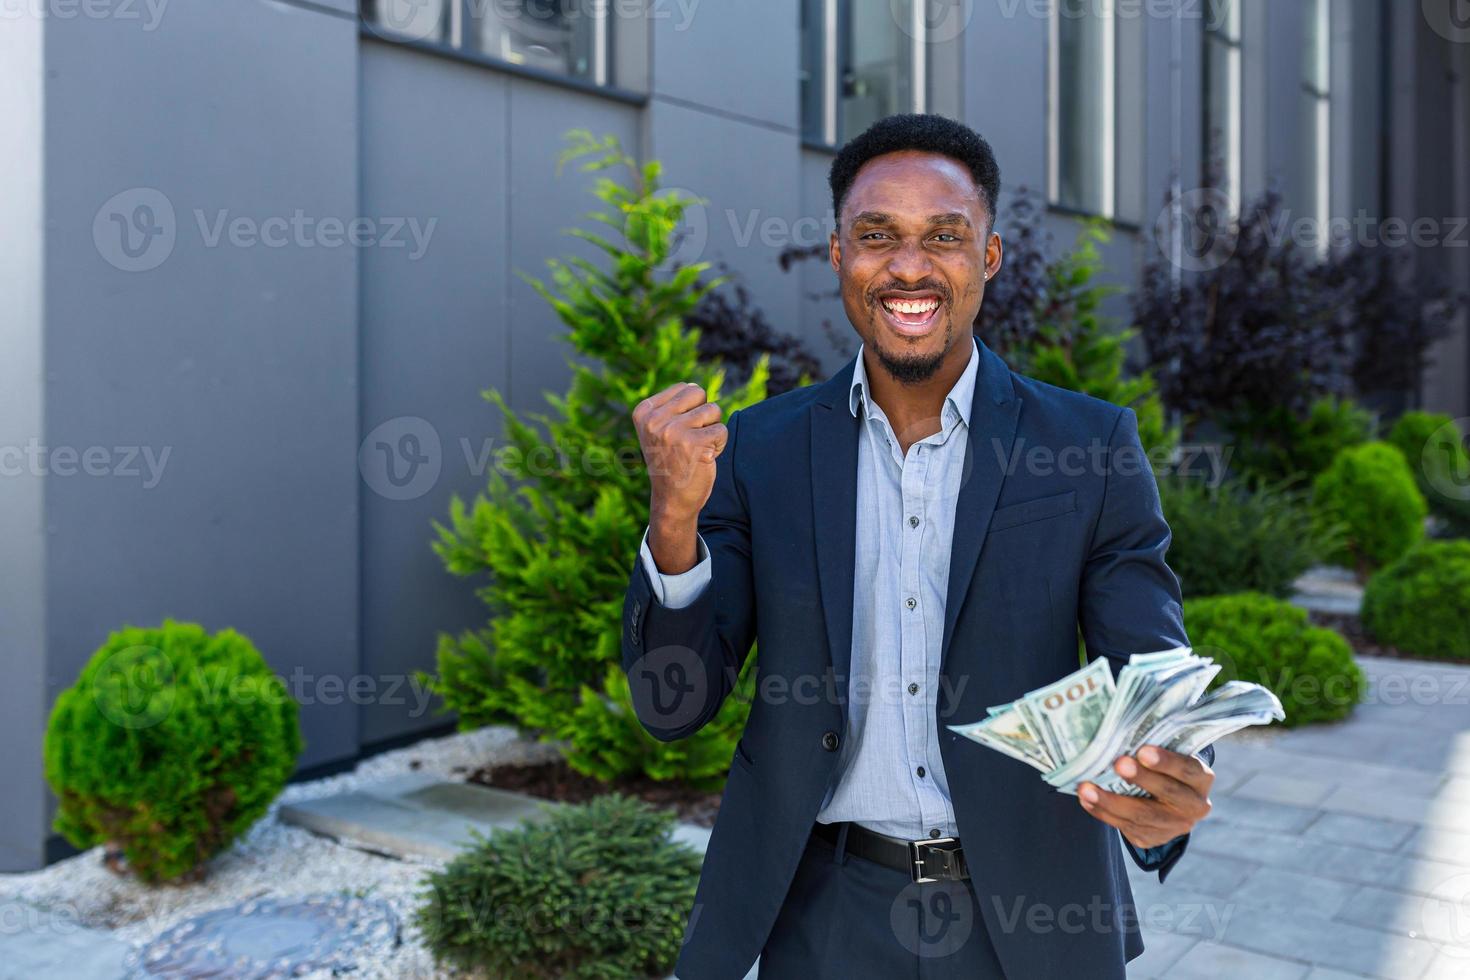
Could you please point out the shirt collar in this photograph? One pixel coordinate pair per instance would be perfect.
(960, 397)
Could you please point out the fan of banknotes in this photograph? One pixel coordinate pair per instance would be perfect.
(1075, 729)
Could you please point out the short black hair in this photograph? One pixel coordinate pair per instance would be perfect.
(928, 133)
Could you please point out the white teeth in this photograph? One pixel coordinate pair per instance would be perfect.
(911, 306)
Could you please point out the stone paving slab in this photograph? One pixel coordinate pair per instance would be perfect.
(1212, 961)
(1290, 892)
(1334, 590)
(415, 815)
(34, 944)
(1345, 828)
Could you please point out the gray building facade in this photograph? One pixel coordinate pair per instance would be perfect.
(260, 258)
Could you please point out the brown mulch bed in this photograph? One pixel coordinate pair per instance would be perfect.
(560, 782)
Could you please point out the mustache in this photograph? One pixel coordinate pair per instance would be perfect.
(926, 287)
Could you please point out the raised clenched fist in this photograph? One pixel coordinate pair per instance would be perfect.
(681, 435)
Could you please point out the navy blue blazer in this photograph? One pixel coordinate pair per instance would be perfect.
(1058, 526)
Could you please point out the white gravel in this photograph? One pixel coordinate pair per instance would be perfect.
(277, 860)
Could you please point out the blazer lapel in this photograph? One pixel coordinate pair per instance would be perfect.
(834, 455)
(994, 415)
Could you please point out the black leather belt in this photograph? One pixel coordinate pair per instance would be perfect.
(932, 859)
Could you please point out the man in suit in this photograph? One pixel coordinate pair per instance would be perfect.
(909, 542)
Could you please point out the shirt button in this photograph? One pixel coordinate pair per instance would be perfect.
(829, 741)
(911, 602)
(934, 832)
(920, 771)
(913, 689)
(913, 522)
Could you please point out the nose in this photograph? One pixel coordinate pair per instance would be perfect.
(910, 264)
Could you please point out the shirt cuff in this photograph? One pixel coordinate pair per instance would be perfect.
(677, 591)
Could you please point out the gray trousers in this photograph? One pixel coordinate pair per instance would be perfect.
(848, 918)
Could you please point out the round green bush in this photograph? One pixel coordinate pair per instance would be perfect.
(594, 891)
(171, 743)
(1264, 640)
(1421, 603)
(1369, 491)
(1434, 448)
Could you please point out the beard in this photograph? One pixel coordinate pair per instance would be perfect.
(913, 369)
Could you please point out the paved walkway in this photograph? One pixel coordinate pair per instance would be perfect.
(1333, 852)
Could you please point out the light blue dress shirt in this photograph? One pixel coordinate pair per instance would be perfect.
(890, 776)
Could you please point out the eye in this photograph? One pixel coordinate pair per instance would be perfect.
(869, 235)
(947, 235)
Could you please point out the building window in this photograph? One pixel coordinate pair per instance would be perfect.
(1316, 105)
(566, 37)
(1222, 101)
(1082, 107)
(860, 63)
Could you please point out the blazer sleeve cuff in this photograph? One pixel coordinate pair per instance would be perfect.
(1163, 857)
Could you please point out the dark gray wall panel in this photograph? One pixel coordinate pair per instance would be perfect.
(239, 361)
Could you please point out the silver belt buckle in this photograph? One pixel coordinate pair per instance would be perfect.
(923, 851)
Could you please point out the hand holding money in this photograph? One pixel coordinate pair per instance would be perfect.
(1126, 748)
(1178, 788)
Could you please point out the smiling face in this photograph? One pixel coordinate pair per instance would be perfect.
(912, 251)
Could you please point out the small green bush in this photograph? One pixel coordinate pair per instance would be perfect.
(1275, 445)
(1421, 603)
(1434, 447)
(1230, 538)
(596, 891)
(171, 743)
(1269, 642)
(1370, 491)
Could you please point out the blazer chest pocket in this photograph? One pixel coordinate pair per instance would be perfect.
(1032, 511)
